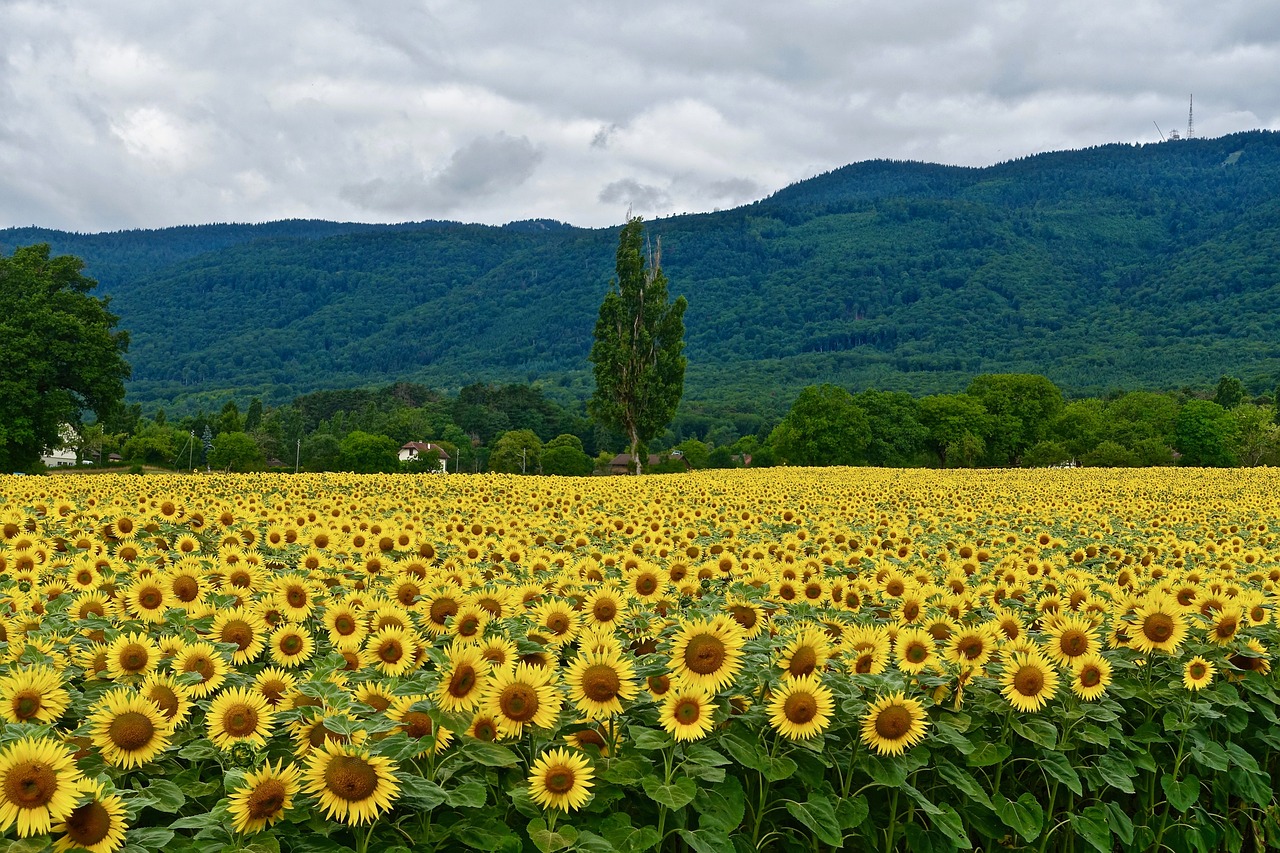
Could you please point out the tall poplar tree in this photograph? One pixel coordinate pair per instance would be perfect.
(638, 355)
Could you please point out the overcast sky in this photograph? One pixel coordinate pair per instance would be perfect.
(149, 113)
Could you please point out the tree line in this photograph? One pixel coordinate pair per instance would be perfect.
(999, 420)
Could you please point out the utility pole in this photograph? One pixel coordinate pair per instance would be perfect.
(522, 452)
(297, 455)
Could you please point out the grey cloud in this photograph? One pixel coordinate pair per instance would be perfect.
(144, 114)
(734, 190)
(643, 198)
(603, 135)
(485, 167)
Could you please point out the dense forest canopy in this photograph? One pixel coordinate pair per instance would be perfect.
(1117, 267)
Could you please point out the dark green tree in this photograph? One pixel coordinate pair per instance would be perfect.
(1230, 392)
(229, 419)
(1206, 435)
(60, 353)
(824, 427)
(253, 417)
(957, 424)
(236, 451)
(321, 452)
(1109, 454)
(897, 436)
(364, 453)
(563, 456)
(516, 452)
(1021, 406)
(638, 354)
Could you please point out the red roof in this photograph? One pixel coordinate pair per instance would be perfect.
(425, 447)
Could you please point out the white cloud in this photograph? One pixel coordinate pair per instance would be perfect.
(143, 114)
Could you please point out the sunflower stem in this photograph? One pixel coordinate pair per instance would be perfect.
(893, 822)
(1177, 765)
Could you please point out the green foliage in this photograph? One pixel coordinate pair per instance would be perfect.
(1109, 454)
(1045, 454)
(1205, 434)
(696, 453)
(156, 444)
(956, 425)
(322, 452)
(516, 452)
(824, 427)
(1230, 392)
(362, 453)
(565, 461)
(565, 456)
(897, 436)
(236, 452)
(60, 352)
(1107, 267)
(1021, 408)
(637, 357)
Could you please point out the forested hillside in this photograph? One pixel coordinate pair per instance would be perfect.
(1121, 266)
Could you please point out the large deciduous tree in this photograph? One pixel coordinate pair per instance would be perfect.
(60, 353)
(638, 355)
(824, 427)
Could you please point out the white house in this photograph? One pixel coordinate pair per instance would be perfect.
(63, 455)
(413, 449)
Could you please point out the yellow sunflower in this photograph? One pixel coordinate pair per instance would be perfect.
(1197, 673)
(1071, 637)
(207, 662)
(806, 653)
(346, 625)
(171, 698)
(801, 708)
(894, 724)
(274, 684)
(39, 784)
(524, 695)
(148, 599)
(97, 826)
(605, 605)
(243, 629)
(462, 679)
(599, 681)
(561, 779)
(914, 650)
(239, 715)
(1090, 676)
(391, 649)
(350, 785)
(1224, 625)
(1029, 680)
(296, 596)
(750, 616)
(1159, 626)
(971, 647)
(128, 729)
(469, 623)
(132, 654)
(687, 712)
(267, 793)
(291, 645)
(557, 620)
(707, 653)
(417, 723)
(33, 694)
(484, 727)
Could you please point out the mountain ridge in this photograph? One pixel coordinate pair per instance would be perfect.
(1116, 266)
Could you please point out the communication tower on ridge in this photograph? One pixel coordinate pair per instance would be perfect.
(1191, 117)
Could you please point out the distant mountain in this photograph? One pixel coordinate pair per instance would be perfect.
(1113, 267)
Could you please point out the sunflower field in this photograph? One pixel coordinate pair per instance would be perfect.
(790, 659)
